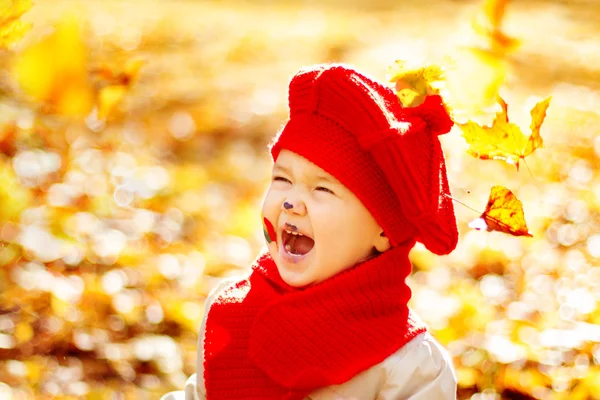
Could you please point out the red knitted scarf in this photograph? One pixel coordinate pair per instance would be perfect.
(267, 340)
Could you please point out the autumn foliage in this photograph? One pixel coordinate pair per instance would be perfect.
(133, 161)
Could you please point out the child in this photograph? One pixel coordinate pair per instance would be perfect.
(357, 180)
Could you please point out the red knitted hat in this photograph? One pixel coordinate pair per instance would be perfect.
(390, 157)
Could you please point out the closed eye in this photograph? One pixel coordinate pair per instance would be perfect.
(324, 189)
(281, 179)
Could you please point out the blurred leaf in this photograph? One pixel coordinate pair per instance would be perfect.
(592, 381)
(108, 98)
(415, 82)
(9, 253)
(473, 80)
(188, 176)
(489, 26)
(244, 220)
(521, 380)
(62, 85)
(503, 213)
(8, 134)
(186, 313)
(474, 314)
(35, 369)
(124, 76)
(13, 196)
(505, 140)
(467, 377)
(59, 306)
(12, 28)
(479, 70)
(115, 85)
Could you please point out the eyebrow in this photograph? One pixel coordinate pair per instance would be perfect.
(280, 168)
(327, 179)
(318, 176)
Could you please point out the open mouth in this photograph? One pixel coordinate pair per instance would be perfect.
(295, 243)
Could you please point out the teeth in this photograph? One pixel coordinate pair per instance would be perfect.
(294, 233)
(288, 248)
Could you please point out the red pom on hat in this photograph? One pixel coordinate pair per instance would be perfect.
(390, 157)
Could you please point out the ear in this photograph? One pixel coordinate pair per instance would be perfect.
(382, 243)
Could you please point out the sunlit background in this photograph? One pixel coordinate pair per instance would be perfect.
(133, 162)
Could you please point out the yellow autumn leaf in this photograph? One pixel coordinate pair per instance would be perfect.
(504, 140)
(503, 213)
(415, 82)
(11, 27)
(62, 83)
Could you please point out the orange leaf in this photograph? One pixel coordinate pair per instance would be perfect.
(489, 27)
(505, 140)
(538, 114)
(503, 213)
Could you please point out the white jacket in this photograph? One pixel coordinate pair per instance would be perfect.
(420, 370)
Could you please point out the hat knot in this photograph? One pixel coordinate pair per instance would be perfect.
(433, 112)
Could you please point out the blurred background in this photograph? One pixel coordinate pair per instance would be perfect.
(133, 162)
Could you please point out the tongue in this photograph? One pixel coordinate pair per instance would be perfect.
(301, 244)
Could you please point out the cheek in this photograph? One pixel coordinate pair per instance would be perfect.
(329, 226)
(271, 205)
(346, 230)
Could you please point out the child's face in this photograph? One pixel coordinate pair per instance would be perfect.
(338, 230)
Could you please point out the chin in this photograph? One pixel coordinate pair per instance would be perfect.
(292, 274)
(297, 285)
(291, 279)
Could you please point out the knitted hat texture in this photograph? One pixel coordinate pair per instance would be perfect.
(390, 157)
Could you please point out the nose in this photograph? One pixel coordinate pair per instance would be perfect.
(293, 206)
